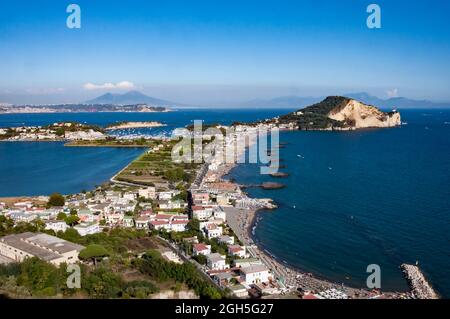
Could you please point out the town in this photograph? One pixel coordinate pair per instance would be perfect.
(199, 218)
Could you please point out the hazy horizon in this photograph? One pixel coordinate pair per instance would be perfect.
(223, 53)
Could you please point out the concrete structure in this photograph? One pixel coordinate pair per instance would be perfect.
(169, 222)
(236, 250)
(128, 221)
(202, 213)
(201, 249)
(48, 248)
(255, 274)
(216, 261)
(148, 193)
(56, 225)
(239, 291)
(172, 257)
(244, 263)
(87, 229)
(226, 240)
(213, 231)
(200, 197)
(142, 222)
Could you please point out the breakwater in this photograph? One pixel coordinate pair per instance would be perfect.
(420, 287)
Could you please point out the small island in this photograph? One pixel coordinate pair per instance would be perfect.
(337, 113)
(130, 125)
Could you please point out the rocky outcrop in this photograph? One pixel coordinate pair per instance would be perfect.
(359, 115)
(339, 113)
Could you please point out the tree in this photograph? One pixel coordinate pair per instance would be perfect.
(39, 276)
(201, 259)
(61, 216)
(72, 220)
(93, 252)
(56, 200)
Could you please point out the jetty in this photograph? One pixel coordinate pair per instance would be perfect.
(270, 185)
(279, 174)
(420, 287)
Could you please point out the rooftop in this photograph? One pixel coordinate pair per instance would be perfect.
(214, 257)
(43, 246)
(254, 268)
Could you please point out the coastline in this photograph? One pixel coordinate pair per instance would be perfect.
(306, 279)
(244, 221)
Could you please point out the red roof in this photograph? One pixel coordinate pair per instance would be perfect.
(159, 222)
(235, 249)
(163, 216)
(200, 247)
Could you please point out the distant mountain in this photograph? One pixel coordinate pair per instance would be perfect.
(396, 102)
(283, 101)
(297, 101)
(132, 97)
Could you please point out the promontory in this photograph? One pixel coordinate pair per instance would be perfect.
(338, 113)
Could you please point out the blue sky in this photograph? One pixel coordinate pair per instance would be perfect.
(223, 51)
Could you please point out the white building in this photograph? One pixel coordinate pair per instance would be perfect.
(219, 213)
(226, 240)
(201, 249)
(169, 222)
(255, 274)
(142, 222)
(216, 261)
(52, 249)
(114, 218)
(236, 250)
(129, 196)
(87, 229)
(56, 225)
(166, 204)
(200, 197)
(128, 221)
(148, 193)
(239, 291)
(166, 195)
(202, 213)
(212, 231)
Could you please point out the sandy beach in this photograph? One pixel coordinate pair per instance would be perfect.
(244, 221)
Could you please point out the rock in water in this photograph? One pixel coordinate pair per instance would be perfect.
(270, 185)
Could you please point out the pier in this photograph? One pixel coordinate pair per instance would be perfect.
(420, 287)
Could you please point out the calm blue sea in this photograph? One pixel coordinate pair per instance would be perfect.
(359, 198)
(352, 199)
(47, 167)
